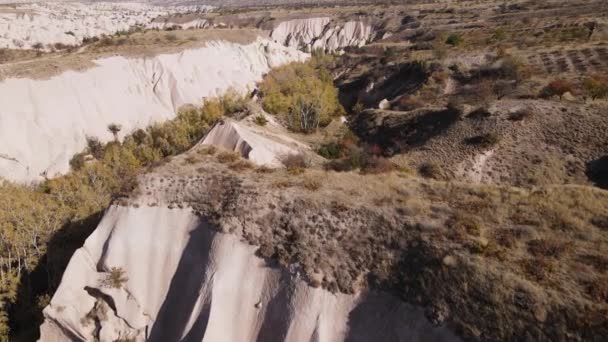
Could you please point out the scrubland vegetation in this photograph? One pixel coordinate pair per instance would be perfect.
(41, 225)
(302, 95)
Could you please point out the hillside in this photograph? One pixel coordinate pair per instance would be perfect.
(426, 171)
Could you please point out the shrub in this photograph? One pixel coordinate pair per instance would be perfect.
(77, 162)
(295, 163)
(558, 87)
(171, 37)
(60, 46)
(232, 102)
(408, 103)
(331, 150)
(498, 35)
(264, 169)
(454, 39)
(366, 158)
(261, 120)
(358, 108)
(227, 157)
(377, 164)
(115, 279)
(208, 150)
(483, 140)
(95, 147)
(241, 165)
(521, 114)
(191, 160)
(596, 87)
(431, 170)
(37, 46)
(311, 184)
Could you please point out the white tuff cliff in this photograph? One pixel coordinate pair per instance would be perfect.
(260, 146)
(68, 23)
(186, 282)
(322, 33)
(43, 123)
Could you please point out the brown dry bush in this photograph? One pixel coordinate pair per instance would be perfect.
(264, 169)
(311, 184)
(295, 163)
(226, 157)
(484, 140)
(208, 150)
(241, 165)
(558, 87)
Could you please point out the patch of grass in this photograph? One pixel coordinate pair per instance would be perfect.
(264, 169)
(311, 184)
(548, 247)
(208, 150)
(227, 157)
(454, 39)
(191, 160)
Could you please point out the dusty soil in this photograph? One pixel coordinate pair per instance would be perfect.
(491, 262)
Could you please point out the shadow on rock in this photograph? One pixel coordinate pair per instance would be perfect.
(184, 291)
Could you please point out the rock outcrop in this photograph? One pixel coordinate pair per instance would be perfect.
(45, 122)
(256, 145)
(187, 282)
(322, 33)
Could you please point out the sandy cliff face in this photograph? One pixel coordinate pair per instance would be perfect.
(43, 123)
(321, 33)
(187, 282)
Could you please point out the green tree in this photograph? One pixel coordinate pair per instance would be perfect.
(301, 89)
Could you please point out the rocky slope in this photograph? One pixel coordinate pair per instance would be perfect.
(207, 286)
(132, 92)
(290, 260)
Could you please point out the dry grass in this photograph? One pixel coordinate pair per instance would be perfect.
(311, 183)
(398, 230)
(228, 157)
(241, 165)
(208, 150)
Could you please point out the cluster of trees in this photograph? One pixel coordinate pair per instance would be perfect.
(41, 225)
(302, 94)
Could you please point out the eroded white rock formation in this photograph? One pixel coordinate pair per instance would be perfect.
(47, 23)
(260, 146)
(186, 282)
(43, 123)
(322, 33)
